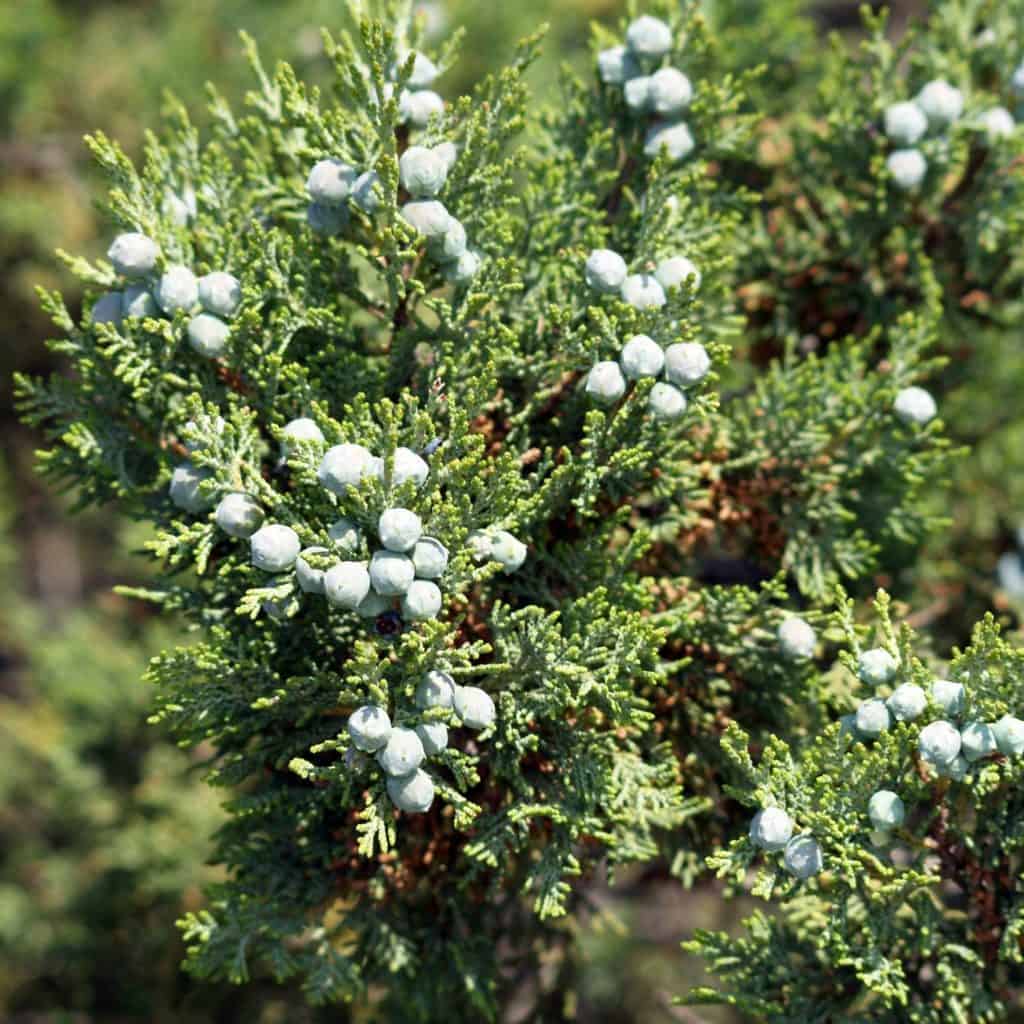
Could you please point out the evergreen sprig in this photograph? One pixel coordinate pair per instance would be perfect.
(420, 310)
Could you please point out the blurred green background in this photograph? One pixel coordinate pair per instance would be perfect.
(104, 823)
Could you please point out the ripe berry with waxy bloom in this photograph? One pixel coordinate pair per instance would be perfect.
(108, 309)
(347, 584)
(451, 245)
(407, 465)
(345, 534)
(997, 123)
(508, 550)
(184, 488)
(649, 37)
(675, 139)
(301, 429)
(424, 71)
(369, 727)
(686, 363)
(238, 515)
(915, 405)
(872, 718)
(672, 272)
(429, 558)
(137, 300)
(433, 736)
(907, 702)
(422, 171)
(274, 547)
(802, 857)
(435, 690)
(939, 743)
(208, 335)
(616, 65)
(637, 94)
(605, 383)
(666, 402)
(133, 254)
(949, 695)
(177, 210)
(796, 638)
(977, 740)
(344, 466)
(642, 291)
(311, 581)
(941, 102)
(461, 271)
(876, 666)
(474, 707)
(418, 107)
(907, 167)
(428, 216)
(391, 573)
(605, 270)
(448, 152)
(412, 793)
(421, 601)
(670, 92)
(479, 545)
(886, 810)
(641, 356)
(402, 754)
(771, 828)
(220, 293)
(366, 192)
(1009, 734)
(399, 529)
(905, 123)
(330, 182)
(177, 290)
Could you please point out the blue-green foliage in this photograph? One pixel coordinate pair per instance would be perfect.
(919, 924)
(662, 554)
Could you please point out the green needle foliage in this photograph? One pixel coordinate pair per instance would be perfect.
(607, 683)
(919, 923)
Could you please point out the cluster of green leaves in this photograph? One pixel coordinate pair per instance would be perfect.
(922, 924)
(839, 248)
(642, 628)
(837, 495)
(359, 333)
(843, 249)
(924, 927)
(106, 823)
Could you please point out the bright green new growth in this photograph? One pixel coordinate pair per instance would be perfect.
(478, 612)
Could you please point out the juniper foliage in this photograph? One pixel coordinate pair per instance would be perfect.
(633, 658)
(918, 923)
